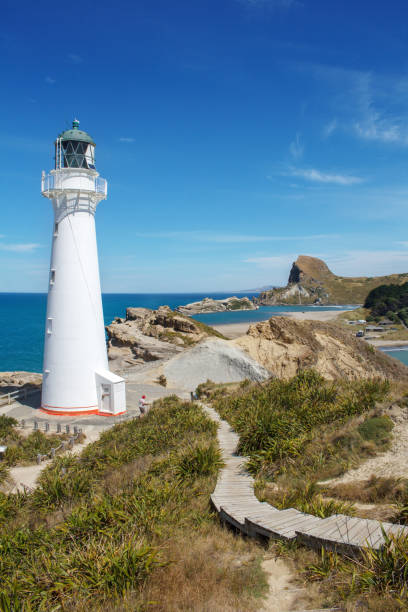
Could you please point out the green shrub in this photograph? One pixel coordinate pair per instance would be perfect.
(7, 425)
(199, 461)
(276, 420)
(376, 429)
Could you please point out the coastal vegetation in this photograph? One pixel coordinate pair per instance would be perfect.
(301, 431)
(302, 425)
(127, 525)
(389, 301)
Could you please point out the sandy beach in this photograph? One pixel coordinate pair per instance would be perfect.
(392, 344)
(234, 330)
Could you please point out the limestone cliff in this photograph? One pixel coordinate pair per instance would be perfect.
(149, 335)
(284, 346)
(312, 282)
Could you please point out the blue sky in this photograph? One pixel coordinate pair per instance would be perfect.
(234, 135)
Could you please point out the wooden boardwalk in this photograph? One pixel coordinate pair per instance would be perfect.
(236, 504)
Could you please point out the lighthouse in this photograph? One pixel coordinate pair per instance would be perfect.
(76, 377)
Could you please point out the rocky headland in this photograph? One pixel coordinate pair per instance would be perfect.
(285, 346)
(186, 352)
(312, 282)
(208, 305)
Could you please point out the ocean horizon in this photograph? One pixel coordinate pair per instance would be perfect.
(22, 319)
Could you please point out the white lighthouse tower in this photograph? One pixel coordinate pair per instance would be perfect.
(76, 378)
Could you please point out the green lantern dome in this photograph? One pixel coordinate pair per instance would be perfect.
(76, 134)
(75, 149)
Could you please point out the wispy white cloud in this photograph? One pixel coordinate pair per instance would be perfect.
(368, 262)
(316, 176)
(329, 128)
(20, 248)
(126, 139)
(49, 80)
(347, 263)
(371, 105)
(224, 238)
(296, 148)
(74, 58)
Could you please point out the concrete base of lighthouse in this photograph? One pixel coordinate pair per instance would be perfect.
(110, 392)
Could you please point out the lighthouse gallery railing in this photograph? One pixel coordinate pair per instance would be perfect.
(52, 182)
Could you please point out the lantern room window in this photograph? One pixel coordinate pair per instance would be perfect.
(77, 154)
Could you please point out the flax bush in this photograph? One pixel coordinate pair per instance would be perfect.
(276, 420)
(97, 526)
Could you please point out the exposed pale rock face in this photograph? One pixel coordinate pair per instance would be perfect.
(212, 359)
(149, 335)
(208, 305)
(285, 346)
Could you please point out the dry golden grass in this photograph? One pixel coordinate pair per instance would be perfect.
(215, 572)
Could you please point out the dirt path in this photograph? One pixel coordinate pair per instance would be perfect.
(282, 594)
(25, 477)
(393, 462)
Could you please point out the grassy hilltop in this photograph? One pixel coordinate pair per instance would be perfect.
(311, 281)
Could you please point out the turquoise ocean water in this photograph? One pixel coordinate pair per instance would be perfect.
(22, 319)
(401, 354)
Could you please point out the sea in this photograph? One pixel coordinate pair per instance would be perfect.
(22, 320)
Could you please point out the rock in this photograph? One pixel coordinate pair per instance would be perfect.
(208, 305)
(312, 282)
(11, 381)
(150, 335)
(212, 359)
(284, 346)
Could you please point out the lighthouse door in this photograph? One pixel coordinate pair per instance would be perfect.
(106, 395)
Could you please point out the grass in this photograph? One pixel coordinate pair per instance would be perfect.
(298, 431)
(281, 422)
(127, 526)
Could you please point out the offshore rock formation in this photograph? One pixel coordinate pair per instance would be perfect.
(312, 282)
(149, 335)
(284, 346)
(208, 305)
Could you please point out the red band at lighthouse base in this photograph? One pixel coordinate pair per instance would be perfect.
(85, 410)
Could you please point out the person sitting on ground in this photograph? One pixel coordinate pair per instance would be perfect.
(142, 405)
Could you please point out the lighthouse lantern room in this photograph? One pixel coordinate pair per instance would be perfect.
(76, 378)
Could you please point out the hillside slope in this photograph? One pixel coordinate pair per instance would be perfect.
(312, 282)
(285, 346)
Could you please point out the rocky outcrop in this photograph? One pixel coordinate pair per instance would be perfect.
(12, 381)
(312, 282)
(208, 305)
(212, 359)
(284, 346)
(150, 335)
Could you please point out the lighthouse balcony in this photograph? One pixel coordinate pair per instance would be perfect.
(73, 180)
